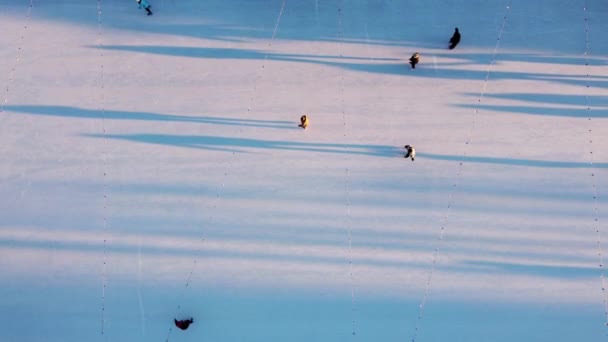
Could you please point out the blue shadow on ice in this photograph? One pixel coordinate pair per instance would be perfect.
(485, 58)
(468, 267)
(452, 73)
(211, 255)
(536, 270)
(580, 106)
(556, 99)
(230, 53)
(367, 64)
(545, 111)
(512, 161)
(244, 145)
(73, 112)
(376, 65)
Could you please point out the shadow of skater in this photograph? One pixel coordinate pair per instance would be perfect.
(184, 323)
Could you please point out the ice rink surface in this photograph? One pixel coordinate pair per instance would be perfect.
(151, 167)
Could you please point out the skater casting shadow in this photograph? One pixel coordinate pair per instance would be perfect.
(388, 66)
(81, 113)
(514, 162)
(246, 145)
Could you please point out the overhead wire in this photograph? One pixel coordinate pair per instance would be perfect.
(104, 279)
(347, 184)
(595, 194)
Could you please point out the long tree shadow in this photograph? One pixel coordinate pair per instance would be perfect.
(377, 65)
(82, 113)
(547, 111)
(569, 79)
(245, 145)
(513, 162)
(579, 106)
(250, 20)
(548, 271)
(276, 251)
(486, 58)
(230, 53)
(574, 100)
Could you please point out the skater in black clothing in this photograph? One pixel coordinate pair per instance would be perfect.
(414, 59)
(303, 121)
(455, 39)
(184, 323)
(411, 152)
(145, 5)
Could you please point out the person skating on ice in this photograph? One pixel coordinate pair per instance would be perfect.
(410, 152)
(414, 59)
(455, 39)
(145, 5)
(303, 121)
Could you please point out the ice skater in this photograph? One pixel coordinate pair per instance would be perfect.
(410, 152)
(303, 121)
(414, 59)
(145, 5)
(184, 323)
(455, 39)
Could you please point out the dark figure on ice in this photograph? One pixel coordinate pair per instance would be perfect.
(414, 59)
(411, 152)
(184, 323)
(145, 5)
(455, 39)
(303, 121)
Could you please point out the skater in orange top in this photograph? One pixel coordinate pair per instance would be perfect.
(303, 121)
(414, 59)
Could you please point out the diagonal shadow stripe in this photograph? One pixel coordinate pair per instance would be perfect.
(82, 113)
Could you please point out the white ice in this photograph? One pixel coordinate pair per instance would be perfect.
(151, 167)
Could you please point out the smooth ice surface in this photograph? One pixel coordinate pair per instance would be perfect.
(151, 167)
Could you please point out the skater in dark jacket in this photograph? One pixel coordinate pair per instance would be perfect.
(303, 121)
(410, 152)
(455, 39)
(414, 59)
(145, 5)
(184, 323)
